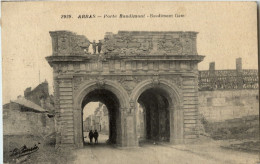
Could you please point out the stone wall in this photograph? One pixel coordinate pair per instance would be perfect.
(16, 122)
(221, 105)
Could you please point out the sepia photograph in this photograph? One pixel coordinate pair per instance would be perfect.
(130, 82)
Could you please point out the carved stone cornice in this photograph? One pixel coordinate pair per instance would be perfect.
(90, 58)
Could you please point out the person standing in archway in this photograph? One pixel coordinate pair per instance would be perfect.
(96, 136)
(94, 46)
(99, 45)
(90, 135)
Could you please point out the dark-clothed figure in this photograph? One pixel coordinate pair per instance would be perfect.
(94, 46)
(99, 44)
(90, 135)
(96, 136)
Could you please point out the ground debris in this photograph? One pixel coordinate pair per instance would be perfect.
(248, 146)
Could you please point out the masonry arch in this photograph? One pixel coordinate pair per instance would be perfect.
(109, 93)
(163, 110)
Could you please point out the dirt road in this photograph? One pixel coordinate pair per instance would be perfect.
(162, 154)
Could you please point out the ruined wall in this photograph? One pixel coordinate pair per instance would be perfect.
(65, 43)
(16, 122)
(38, 93)
(150, 43)
(221, 105)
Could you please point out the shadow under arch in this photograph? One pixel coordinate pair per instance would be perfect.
(172, 94)
(84, 94)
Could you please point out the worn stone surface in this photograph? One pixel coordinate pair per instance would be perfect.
(67, 43)
(218, 106)
(26, 118)
(151, 43)
(133, 67)
(18, 121)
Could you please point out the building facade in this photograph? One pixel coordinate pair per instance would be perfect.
(97, 121)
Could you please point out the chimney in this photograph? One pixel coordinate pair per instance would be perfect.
(239, 64)
(212, 69)
(239, 73)
(212, 66)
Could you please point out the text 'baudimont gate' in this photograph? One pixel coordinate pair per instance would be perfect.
(157, 70)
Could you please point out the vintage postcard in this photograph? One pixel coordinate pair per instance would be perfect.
(130, 82)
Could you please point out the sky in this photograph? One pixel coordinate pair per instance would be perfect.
(227, 30)
(89, 109)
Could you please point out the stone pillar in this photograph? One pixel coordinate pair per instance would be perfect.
(177, 125)
(131, 130)
(121, 137)
(57, 108)
(78, 136)
(143, 128)
(66, 120)
(128, 136)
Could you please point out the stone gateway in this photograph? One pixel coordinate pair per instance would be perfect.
(157, 70)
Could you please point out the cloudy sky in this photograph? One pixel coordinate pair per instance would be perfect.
(227, 30)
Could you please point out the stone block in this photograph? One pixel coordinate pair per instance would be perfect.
(65, 85)
(191, 102)
(190, 136)
(66, 118)
(190, 113)
(122, 65)
(192, 125)
(190, 117)
(190, 106)
(66, 114)
(139, 65)
(69, 105)
(188, 82)
(66, 101)
(192, 121)
(117, 65)
(192, 94)
(67, 141)
(69, 89)
(65, 93)
(65, 97)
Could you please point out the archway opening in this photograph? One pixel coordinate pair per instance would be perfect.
(95, 117)
(154, 104)
(111, 103)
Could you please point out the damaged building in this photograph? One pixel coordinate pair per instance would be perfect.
(31, 114)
